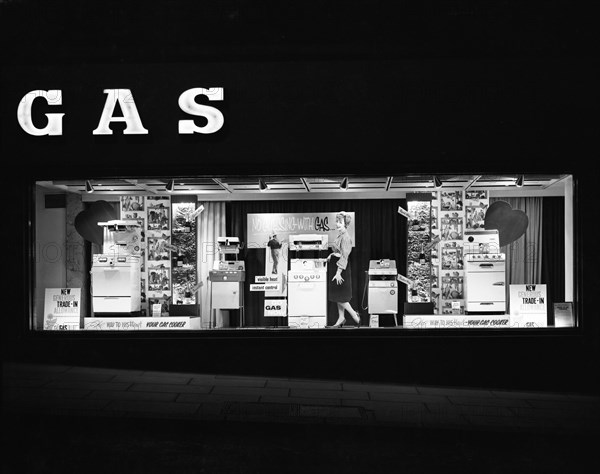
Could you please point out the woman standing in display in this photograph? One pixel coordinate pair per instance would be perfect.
(339, 275)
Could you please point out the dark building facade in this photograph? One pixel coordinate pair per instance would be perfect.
(358, 93)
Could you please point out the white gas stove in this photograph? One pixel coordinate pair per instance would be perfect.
(307, 288)
(485, 283)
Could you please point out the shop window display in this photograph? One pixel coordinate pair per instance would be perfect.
(463, 254)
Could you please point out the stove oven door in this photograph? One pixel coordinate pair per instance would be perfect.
(485, 287)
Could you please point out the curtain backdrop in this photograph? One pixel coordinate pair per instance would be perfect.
(211, 225)
(524, 256)
(379, 230)
(553, 251)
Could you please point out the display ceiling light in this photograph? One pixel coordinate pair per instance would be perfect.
(223, 185)
(170, 186)
(437, 182)
(519, 182)
(262, 186)
(388, 182)
(304, 182)
(344, 184)
(88, 187)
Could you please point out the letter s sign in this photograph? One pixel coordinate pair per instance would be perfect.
(214, 117)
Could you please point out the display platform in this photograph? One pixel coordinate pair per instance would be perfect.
(141, 324)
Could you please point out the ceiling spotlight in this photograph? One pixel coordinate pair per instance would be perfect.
(170, 186)
(519, 182)
(262, 186)
(437, 182)
(388, 183)
(88, 187)
(344, 184)
(304, 182)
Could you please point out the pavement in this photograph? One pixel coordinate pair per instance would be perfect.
(241, 423)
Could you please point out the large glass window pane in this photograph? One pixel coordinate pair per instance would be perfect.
(406, 252)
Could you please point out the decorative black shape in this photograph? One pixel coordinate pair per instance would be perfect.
(511, 223)
(86, 222)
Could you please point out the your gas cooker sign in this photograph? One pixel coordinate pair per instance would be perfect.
(130, 116)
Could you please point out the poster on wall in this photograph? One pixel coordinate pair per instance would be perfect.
(131, 204)
(132, 208)
(157, 248)
(451, 226)
(452, 256)
(158, 218)
(276, 264)
(451, 201)
(474, 198)
(159, 280)
(453, 307)
(452, 287)
(475, 216)
(528, 306)
(62, 309)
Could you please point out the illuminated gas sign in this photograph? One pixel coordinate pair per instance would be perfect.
(131, 117)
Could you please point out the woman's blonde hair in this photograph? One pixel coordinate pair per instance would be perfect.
(345, 217)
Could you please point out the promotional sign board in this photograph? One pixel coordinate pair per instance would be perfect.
(403, 212)
(61, 323)
(275, 307)
(265, 287)
(141, 324)
(62, 308)
(262, 226)
(563, 315)
(528, 306)
(416, 321)
(62, 302)
(266, 279)
(403, 279)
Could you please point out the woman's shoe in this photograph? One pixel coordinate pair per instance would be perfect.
(339, 325)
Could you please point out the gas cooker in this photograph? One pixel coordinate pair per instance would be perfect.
(485, 257)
